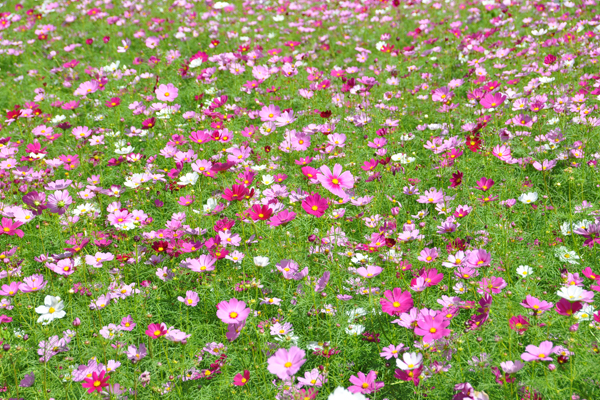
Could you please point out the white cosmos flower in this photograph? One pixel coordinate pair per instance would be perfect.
(195, 63)
(402, 158)
(124, 150)
(528, 198)
(380, 45)
(355, 329)
(524, 270)
(219, 5)
(267, 179)
(571, 293)
(260, 261)
(566, 255)
(360, 259)
(189, 179)
(586, 313)
(344, 394)
(566, 229)
(51, 310)
(411, 361)
(210, 205)
(357, 312)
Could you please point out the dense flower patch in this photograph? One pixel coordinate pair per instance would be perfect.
(300, 199)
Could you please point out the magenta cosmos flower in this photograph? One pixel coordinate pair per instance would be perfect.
(96, 382)
(241, 379)
(335, 181)
(492, 100)
(232, 311)
(237, 192)
(315, 205)
(167, 92)
(156, 330)
(10, 228)
(539, 353)
(285, 363)
(396, 302)
(432, 328)
(365, 384)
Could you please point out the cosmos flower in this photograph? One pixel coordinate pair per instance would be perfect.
(51, 310)
(285, 363)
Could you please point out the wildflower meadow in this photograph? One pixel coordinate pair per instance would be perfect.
(300, 199)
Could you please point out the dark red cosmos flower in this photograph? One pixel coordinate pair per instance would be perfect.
(160, 246)
(456, 179)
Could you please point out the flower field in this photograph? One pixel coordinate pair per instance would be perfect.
(300, 200)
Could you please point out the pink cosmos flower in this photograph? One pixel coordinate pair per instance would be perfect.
(269, 113)
(365, 384)
(285, 363)
(127, 324)
(232, 311)
(191, 298)
(544, 165)
(335, 181)
(432, 328)
(539, 353)
(135, 354)
(392, 351)
(396, 302)
(503, 152)
(282, 218)
(97, 259)
(59, 201)
(204, 263)
(484, 184)
(492, 100)
(167, 92)
(518, 323)
(442, 94)
(432, 277)
(370, 272)
(315, 205)
(431, 196)
(10, 290)
(479, 258)
(538, 306)
(492, 285)
(522, 120)
(33, 283)
(428, 255)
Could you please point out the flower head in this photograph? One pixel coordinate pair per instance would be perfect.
(285, 363)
